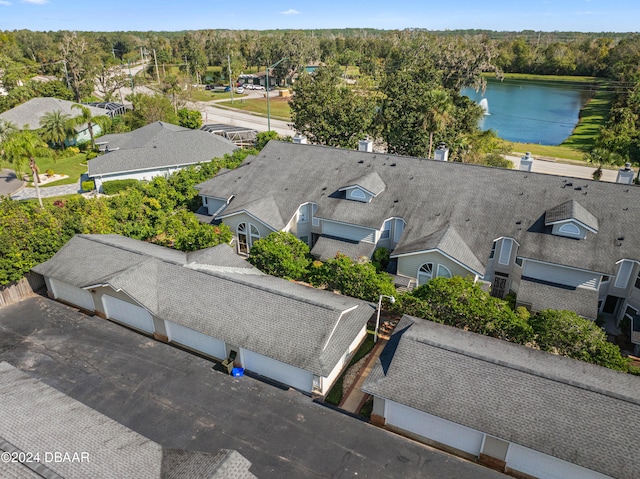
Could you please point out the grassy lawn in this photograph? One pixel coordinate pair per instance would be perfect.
(279, 107)
(548, 78)
(335, 395)
(73, 167)
(208, 95)
(560, 151)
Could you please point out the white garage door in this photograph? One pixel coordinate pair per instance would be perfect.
(127, 313)
(72, 295)
(432, 427)
(195, 340)
(281, 372)
(544, 466)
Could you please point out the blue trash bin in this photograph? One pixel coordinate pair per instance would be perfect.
(237, 372)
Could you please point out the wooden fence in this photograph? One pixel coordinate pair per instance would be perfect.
(32, 283)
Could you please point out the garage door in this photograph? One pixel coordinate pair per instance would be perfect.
(127, 313)
(432, 427)
(195, 340)
(281, 372)
(544, 466)
(72, 295)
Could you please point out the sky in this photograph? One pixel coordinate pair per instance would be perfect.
(163, 15)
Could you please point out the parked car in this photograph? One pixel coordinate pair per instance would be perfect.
(208, 87)
(240, 90)
(248, 86)
(227, 88)
(258, 87)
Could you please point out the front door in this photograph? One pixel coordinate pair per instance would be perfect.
(499, 286)
(611, 305)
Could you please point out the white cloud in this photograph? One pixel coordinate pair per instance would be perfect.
(35, 2)
(291, 11)
(4, 3)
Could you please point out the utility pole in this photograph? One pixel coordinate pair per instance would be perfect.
(66, 73)
(155, 59)
(133, 88)
(141, 54)
(230, 84)
(268, 93)
(187, 63)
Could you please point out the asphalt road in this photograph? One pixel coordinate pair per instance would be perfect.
(9, 183)
(174, 398)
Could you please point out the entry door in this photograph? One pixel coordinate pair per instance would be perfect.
(499, 286)
(611, 305)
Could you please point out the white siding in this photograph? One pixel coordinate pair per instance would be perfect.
(432, 427)
(544, 466)
(624, 272)
(195, 340)
(408, 265)
(279, 371)
(215, 205)
(71, 294)
(350, 232)
(333, 375)
(560, 274)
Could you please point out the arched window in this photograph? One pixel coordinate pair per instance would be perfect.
(444, 271)
(247, 234)
(358, 194)
(569, 229)
(425, 273)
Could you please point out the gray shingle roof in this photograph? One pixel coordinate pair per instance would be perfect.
(36, 418)
(210, 295)
(30, 112)
(480, 203)
(539, 296)
(569, 409)
(158, 145)
(370, 182)
(327, 247)
(571, 210)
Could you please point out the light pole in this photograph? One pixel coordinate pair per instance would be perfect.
(268, 93)
(392, 300)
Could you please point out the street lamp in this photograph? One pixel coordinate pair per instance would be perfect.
(392, 300)
(268, 93)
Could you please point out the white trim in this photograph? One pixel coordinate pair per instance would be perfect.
(626, 276)
(248, 214)
(315, 221)
(504, 258)
(570, 228)
(396, 236)
(572, 220)
(438, 275)
(436, 250)
(159, 167)
(357, 186)
(506, 237)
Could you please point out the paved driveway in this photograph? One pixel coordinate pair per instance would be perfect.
(175, 399)
(8, 182)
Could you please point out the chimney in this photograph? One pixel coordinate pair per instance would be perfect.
(365, 145)
(300, 139)
(441, 153)
(526, 162)
(625, 175)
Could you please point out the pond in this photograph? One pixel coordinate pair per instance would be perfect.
(531, 111)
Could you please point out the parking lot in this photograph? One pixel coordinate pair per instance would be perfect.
(177, 400)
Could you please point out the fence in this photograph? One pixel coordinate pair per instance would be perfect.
(14, 292)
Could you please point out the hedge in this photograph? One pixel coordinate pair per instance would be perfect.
(88, 185)
(116, 186)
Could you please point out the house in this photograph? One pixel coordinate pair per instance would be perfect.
(555, 242)
(215, 303)
(27, 116)
(52, 435)
(519, 410)
(154, 150)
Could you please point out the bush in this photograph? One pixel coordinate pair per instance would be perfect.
(68, 152)
(281, 254)
(50, 173)
(89, 185)
(381, 259)
(116, 186)
(91, 154)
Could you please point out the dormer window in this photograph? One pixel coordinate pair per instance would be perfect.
(571, 219)
(364, 188)
(357, 194)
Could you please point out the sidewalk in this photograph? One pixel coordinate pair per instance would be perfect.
(353, 400)
(47, 192)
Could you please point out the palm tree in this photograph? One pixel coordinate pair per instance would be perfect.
(600, 157)
(437, 111)
(21, 149)
(86, 118)
(56, 127)
(6, 128)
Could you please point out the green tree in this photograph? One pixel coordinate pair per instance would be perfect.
(601, 157)
(56, 128)
(567, 334)
(329, 112)
(87, 118)
(21, 149)
(265, 137)
(436, 109)
(281, 254)
(183, 231)
(149, 109)
(189, 118)
(460, 303)
(355, 279)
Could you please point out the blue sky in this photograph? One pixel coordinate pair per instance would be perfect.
(144, 15)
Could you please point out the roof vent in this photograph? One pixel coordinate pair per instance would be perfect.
(365, 145)
(392, 164)
(300, 139)
(361, 161)
(625, 175)
(526, 162)
(441, 153)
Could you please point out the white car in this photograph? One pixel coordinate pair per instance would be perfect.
(240, 90)
(258, 87)
(248, 86)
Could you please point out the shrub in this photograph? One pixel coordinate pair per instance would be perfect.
(116, 186)
(281, 254)
(50, 173)
(91, 154)
(381, 259)
(89, 185)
